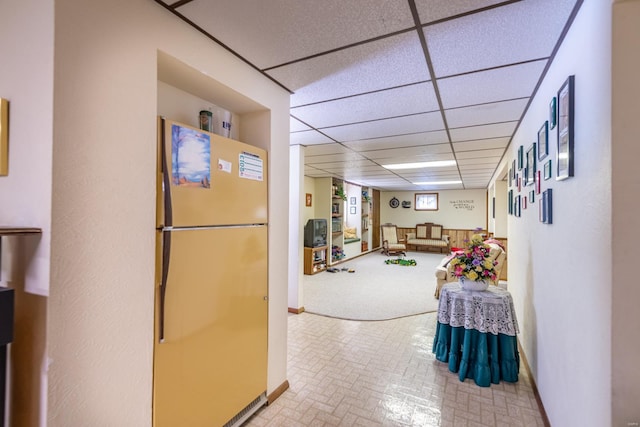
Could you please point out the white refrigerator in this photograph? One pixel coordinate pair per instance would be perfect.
(210, 352)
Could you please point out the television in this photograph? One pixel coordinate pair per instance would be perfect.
(315, 233)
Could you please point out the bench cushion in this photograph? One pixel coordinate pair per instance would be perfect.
(427, 242)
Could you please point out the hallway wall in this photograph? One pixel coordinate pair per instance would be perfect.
(560, 273)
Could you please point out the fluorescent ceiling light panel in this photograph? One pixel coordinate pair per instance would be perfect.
(436, 164)
(437, 183)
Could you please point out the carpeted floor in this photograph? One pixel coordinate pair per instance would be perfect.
(375, 291)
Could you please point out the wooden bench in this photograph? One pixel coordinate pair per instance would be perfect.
(429, 236)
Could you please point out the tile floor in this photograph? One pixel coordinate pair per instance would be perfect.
(355, 373)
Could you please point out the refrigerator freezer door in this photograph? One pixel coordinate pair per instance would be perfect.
(213, 360)
(208, 179)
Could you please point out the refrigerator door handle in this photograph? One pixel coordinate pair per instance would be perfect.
(166, 179)
(166, 252)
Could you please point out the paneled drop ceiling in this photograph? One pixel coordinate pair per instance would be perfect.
(378, 82)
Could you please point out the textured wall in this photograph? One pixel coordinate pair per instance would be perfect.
(560, 274)
(103, 240)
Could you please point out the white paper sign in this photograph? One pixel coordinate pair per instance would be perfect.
(250, 166)
(224, 166)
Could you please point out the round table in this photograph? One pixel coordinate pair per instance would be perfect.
(476, 334)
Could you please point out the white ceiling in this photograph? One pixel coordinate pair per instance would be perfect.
(378, 82)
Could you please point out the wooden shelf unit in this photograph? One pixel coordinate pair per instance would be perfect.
(315, 259)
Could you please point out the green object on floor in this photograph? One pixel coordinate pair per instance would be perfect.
(401, 261)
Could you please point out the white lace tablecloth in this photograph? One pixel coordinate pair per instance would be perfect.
(489, 311)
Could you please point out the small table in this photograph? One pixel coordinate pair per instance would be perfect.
(476, 334)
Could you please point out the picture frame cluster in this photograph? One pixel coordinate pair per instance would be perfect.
(531, 167)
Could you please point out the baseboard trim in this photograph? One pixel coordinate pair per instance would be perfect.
(277, 392)
(534, 387)
(295, 310)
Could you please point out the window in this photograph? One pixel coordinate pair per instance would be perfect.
(426, 202)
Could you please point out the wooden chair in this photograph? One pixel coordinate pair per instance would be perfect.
(391, 245)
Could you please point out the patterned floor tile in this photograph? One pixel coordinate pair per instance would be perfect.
(353, 373)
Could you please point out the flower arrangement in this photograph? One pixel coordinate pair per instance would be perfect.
(473, 263)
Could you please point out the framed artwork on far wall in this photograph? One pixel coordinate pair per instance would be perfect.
(516, 206)
(543, 141)
(553, 113)
(564, 152)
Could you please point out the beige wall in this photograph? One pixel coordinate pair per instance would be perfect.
(26, 81)
(560, 274)
(100, 320)
(466, 209)
(625, 232)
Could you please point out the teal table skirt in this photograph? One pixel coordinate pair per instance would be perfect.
(485, 358)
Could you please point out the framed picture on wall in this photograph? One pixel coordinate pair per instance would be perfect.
(352, 210)
(426, 202)
(543, 141)
(547, 170)
(546, 207)
(564, 152)
(530, 168)
(510, 203)
(307, 199)
(553, 113)
(352, 201)
(520, 157)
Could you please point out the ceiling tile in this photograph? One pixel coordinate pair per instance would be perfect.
(409, 152)
(410, 140)
(417, 98)
(496, 112)
(480, 153)
(381, 64)
(340, 157)
(509, 34)
(482, 132)
(296, 125)
(318, 150)
(433, 10)
(308, 138)
(388, 127)
(304, 27)
(480, 161)
(516, 81)
(481, 144)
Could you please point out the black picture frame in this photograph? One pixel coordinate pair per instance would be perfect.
(352, 201)
(517, 206)
(565, 142)
(532, 196)
(493, 208)
(530, 168)
(543, 141)
(547, 170)
(520, 157)
(553, 113)
(510, 203)
(546, 207)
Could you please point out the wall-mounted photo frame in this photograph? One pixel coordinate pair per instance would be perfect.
(530, 168)
(307, 199)
(532, 196)
(547, 170)
(520, 157)
(553, 113)
(426, 202)
(564, 152)
(546, 205)
(352, 210)
(524, 202)
(543, 141)
(352, 201)
(4, 137)
(519, 182)
(513, 168)
(493, 208)
(510, 177)
(538, 180)
(517, 206)
(510, 203)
